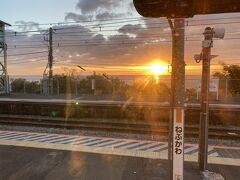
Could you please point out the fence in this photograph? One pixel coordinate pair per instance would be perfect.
(220, 89)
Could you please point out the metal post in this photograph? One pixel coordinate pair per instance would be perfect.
(4, 86)
(50, 60)
(76, 89)
(58, 90)
(94, 83)
(5, 66)
(113, 87)
(176, 125)
(40, 86)
(204, 115)
(226, 89)
(197, 91)
(24, 87)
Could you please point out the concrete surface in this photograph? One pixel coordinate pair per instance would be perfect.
(32, 163)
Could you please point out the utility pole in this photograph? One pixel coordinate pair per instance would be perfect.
(112, 82)
(176, 124)
(50, 62)
(75, 86)
(4, 79)
(94, 83)
(204, 115)
(206, 57)
(24, 87)
(58, 89)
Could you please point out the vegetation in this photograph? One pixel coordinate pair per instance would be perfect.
(24, 86)
(232, 74)
(143, 90)
(148, 89)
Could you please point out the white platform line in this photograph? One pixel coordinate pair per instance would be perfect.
(95, 142)
(15, 137)
(81, 141)
(157, 148)
(62, 139)
(35, 138)
(119, 152)
(78, 141)
(118, 144)
(89, 141)
(213, 155)
(24, 138)
(47, 139)
(144, 146)
(131, 145)
(8, 135)
(188, 150)
(72, 140)
(107, 143)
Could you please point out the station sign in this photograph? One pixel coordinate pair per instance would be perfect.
(178, 144)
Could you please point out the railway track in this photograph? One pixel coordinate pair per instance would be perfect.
(116, 125)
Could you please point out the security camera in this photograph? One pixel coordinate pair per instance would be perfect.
(218, 33)
(198, 57)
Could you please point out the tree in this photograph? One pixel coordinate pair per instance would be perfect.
(148, 90)
(22, 85)
(232, 74)
(67, 84)
(191, 94)
(17, 85)
(32, 87)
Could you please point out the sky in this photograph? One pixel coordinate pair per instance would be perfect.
(111, 37)
(43, 11)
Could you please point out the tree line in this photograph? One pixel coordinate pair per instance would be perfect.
(143, 89)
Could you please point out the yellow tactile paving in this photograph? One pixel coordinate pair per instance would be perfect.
(113, 151)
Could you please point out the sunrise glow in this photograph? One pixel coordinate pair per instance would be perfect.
(156, 68)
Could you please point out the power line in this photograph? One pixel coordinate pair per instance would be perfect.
(77, 22)
(114, 42)
(29, 58)
(27, 53)
(153, 36)
(159, 23)
(23, 62)
(119, 19)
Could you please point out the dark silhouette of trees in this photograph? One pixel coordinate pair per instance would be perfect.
(147, 89)
(23, 86)
(231, 73)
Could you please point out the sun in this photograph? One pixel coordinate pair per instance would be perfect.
(157, 68)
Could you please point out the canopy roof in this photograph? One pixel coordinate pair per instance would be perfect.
(2, 22)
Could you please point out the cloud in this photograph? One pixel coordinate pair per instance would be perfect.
(88, 6)
(107, 15)
(99, 38)
(130, 28)
(124, 44)
(77, 17)
(119, 37)
(101, 10)
(27, 25)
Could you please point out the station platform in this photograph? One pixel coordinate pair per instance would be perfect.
(58, 156)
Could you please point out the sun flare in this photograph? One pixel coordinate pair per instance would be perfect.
(157, 68)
